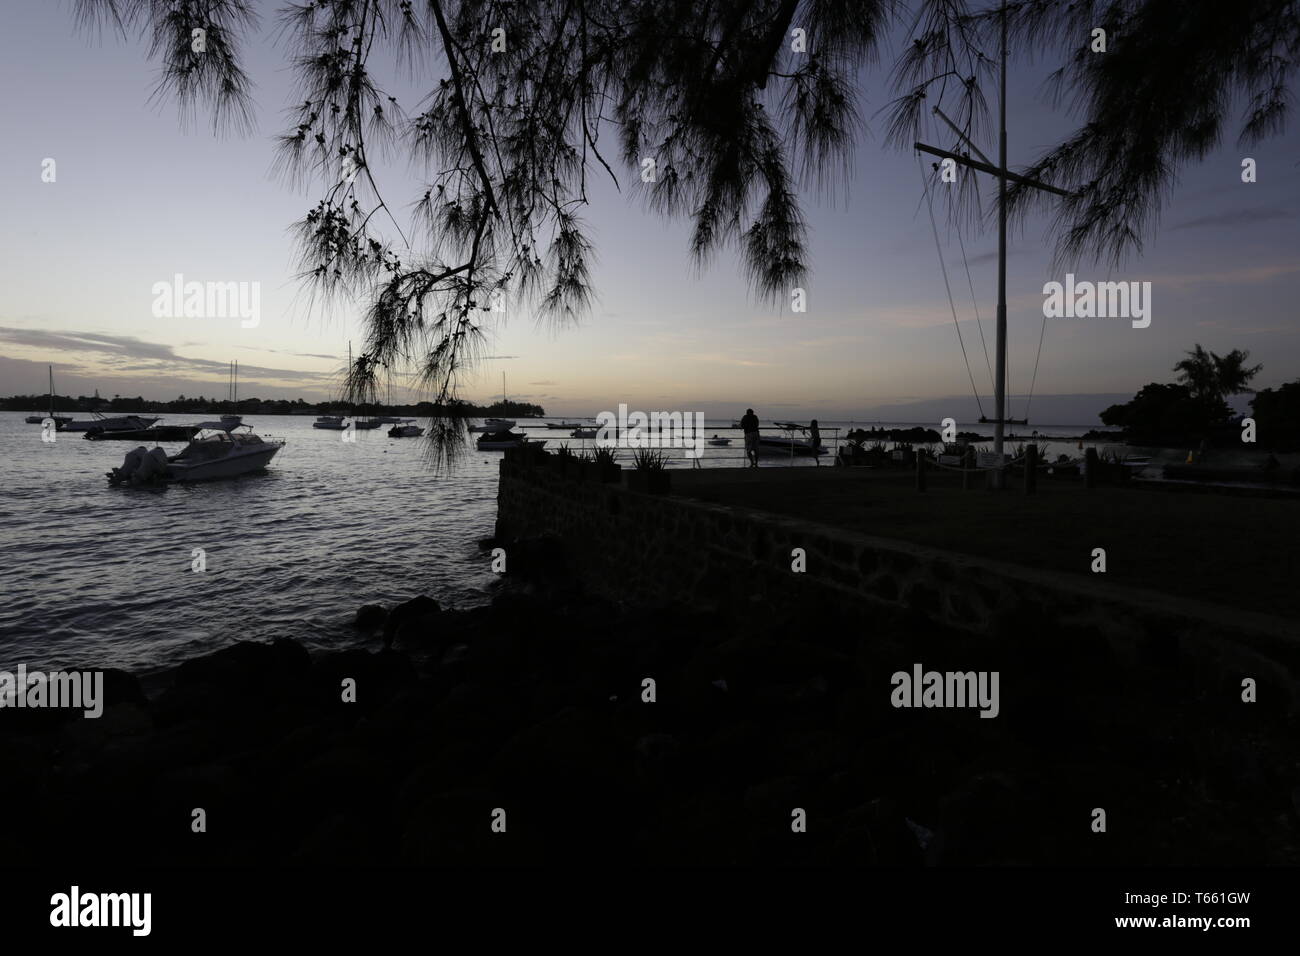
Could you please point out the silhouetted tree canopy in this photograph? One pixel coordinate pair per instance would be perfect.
(1210, 376)
(1163, 413)
(1277, 416)
(737, 108)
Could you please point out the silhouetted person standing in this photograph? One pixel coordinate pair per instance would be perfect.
(815, 436)
(749, 425)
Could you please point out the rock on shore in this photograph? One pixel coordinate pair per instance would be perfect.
(536, 707)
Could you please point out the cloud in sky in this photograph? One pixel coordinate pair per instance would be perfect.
(312, 355)
(122, 354)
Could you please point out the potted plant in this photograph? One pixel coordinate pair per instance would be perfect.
(607, 466)
(649, 472)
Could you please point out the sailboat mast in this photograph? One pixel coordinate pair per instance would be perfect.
(1000, 385)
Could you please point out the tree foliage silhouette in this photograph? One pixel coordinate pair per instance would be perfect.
(738, 110)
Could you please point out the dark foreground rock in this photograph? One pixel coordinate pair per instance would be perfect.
(534, 714)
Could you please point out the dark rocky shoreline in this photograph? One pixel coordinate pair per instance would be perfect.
(534, 705)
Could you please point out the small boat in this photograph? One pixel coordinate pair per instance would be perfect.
(366, 424)
(220, 453)
(563, 425)
(60, 421)
(581, 432)
(405, 430)
(789, 445)
(715, 440)
(332, 422)
(495, 441)
(117, 423)
(493, 425)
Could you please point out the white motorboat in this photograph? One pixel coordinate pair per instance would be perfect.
(332, 422)
(118, 423)
(403, 429)
(218, 451)
(493, 425)
(495, 441)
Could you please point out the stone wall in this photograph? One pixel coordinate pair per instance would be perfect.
(653, 549)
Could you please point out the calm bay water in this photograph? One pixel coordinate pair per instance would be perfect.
(101, 576)
(95, 576)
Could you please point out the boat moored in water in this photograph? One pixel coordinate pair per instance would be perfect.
(60, 421)
(332, 422)
(118, 423)
(404, 429)
(496, 441)
(218, 451)
(494, 425)
(153, 433)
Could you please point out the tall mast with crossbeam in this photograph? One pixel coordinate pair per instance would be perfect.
(1000, 419)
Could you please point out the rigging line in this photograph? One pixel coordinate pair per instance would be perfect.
(1041, 333)
(975, 304)
(925, 187)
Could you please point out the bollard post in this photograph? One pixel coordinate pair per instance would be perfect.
(1090, 468)
(1031, 469)
(920, 472)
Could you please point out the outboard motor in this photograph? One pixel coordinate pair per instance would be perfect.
(140, 466)
(130, 465)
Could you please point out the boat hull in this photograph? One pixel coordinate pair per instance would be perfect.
(130, 423)
(788, 447)
(503, 445)
(232, 466)
(155, 434)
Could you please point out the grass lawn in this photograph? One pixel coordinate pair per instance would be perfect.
(1236, 551)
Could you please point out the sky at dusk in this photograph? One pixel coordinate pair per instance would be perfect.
(138, 199)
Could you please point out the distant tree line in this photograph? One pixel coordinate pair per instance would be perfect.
(255, 406)
(1195, 407)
